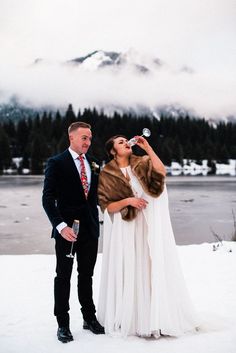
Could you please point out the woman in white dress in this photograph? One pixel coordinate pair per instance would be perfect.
(142, 290)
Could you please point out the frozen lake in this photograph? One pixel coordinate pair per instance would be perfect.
(198, 206)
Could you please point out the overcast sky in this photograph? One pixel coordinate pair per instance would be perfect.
(197, 33)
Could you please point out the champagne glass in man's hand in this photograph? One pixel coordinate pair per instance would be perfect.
(75, 228)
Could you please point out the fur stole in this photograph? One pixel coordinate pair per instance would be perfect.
(113, 186)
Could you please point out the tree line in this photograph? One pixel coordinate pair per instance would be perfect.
(38, 136)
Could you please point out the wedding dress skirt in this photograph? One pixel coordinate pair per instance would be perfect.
(142, 288)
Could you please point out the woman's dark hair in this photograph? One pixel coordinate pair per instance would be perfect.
(110, 144)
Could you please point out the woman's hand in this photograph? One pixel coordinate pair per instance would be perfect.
(142, 143)
(156, 162)
(137, 202)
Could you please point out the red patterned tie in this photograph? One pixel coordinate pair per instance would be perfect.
(83, 175)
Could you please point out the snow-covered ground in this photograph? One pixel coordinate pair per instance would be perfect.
(26, 305)
(190, 167)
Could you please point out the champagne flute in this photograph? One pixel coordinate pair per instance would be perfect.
(75, 228)
(133, 141)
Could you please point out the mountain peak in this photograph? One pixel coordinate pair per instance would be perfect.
(100, 59)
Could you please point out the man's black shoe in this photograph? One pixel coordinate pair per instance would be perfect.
(64, 335)
(94, 326)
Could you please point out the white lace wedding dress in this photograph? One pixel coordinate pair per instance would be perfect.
(142, 289)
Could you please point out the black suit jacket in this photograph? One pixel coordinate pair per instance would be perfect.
(64, 199)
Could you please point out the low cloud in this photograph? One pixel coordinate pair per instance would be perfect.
(207, 94)
(195, 39)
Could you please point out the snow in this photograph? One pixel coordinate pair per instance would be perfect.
(27, 322)
(229, 168)
(192, 168)
(93, 62)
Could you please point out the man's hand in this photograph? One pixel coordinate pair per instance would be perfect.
(68, 234)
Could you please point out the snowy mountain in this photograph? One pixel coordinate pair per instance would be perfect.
(131, 62)
(129, 81)
(100, 59)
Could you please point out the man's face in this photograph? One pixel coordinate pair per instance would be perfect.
(80, 140)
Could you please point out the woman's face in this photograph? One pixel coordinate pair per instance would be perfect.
(121, 147)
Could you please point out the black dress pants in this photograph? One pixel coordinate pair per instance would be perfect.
(85, 249)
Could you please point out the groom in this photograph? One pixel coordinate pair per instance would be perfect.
(69, 193)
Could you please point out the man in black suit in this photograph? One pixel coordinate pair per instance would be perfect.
(69, 193)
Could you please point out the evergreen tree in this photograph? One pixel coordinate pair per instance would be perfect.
(46, 126)
(198, 153)
(25, 163)
(172, 138)
(63, 143)
(188, 150)
(57, 126)
(22, 136)
(69, 117)
(209, 150)
(222, 154)
(5, 153)
(177, 151)
(165, 152)
(10, 129)
(37, 155)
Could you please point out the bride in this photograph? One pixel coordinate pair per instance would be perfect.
(142, 289)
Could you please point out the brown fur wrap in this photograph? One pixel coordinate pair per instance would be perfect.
(113, 186)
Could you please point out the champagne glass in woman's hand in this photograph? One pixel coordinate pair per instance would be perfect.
(75, 228)
(133, 141)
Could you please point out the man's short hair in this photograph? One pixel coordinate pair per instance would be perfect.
(78, 124)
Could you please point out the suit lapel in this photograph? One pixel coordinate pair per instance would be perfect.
(69, 164)
(92, 174)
